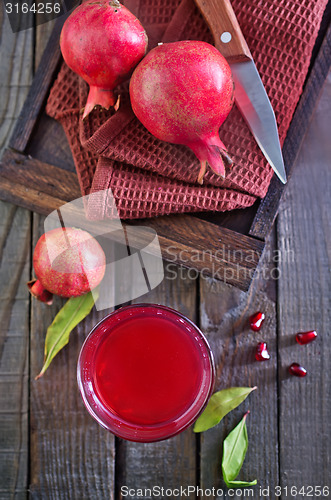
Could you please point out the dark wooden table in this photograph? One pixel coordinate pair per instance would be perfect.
(52, 449)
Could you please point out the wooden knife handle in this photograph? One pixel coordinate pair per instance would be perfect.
(225, 29)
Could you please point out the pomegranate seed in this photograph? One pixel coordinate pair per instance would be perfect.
(256, 321)
(305, 337)
(261, 353)
(297, 370)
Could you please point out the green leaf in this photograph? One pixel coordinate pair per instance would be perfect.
(234, 451)
(57, 336)
(240, 484)
(219, 405)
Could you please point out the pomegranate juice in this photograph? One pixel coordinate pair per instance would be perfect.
(145, 372)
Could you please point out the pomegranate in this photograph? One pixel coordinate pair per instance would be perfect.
(297, 370)
(102, 41)
(182, 92)
(261, 352)
(68, 262)
(304, 338)
(256, 320)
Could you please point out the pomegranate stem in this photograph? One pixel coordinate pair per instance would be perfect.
(97, 96)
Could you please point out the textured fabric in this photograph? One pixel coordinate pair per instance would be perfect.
(149, 177)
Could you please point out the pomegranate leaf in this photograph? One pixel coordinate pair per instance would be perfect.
(234, 451)
(68, 317)
(219, 405)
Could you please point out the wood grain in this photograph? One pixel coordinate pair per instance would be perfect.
(15, 76)
(71, 455)
(67, 455)
(267, 210)
(38, 91)
(211, 250)
(43, 33)
(224, 317)
(69, 452)
(28, 196)
(186, 240)
(171, 463)
(14, 349)
(39, 177)
(32, 120)
(16, 56)
(304, 304)
(220, 18)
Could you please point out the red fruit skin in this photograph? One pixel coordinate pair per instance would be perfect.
(37, 290)
(297, 370)
(182, 92)
(256, 320)
(261, 353)
(68, 262)
(304, 338)
(102, 41)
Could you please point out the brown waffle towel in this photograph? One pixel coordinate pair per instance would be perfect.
(149, 177)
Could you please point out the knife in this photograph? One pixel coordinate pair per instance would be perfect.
(250, 95)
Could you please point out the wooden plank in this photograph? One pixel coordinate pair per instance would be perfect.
(304, 304)
(220, 252)
(29, 196)
(43, 34)
(69, 451)
(38, 90)
(14, 347)
(186, 240)
(224, 314)
(170, 463)
(267, 210)
(268, 207)
(71, 454)
(50, 144)
(32, 198)
(35, 200)
(16, 52)
(36, 175)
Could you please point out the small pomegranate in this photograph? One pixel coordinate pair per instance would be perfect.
(261, 353)
(68, 262)
(297, 370)
(256, 320)
(304, 338)
(102, 41)
(182, 92)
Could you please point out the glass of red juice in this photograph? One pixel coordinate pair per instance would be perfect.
(145, 372)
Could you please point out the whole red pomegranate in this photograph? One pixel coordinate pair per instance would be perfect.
(102, 41)
(68, 262)
(182, 92)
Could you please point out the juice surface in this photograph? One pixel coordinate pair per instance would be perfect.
(148, 368)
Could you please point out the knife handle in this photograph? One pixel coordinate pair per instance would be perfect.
(225, 29)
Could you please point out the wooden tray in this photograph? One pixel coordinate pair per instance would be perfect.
(38, 173)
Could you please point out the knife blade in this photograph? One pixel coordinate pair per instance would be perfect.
(250, 95)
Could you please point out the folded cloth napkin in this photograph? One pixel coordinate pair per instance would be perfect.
(148, 177)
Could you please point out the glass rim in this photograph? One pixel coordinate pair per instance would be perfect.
(138, 432)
